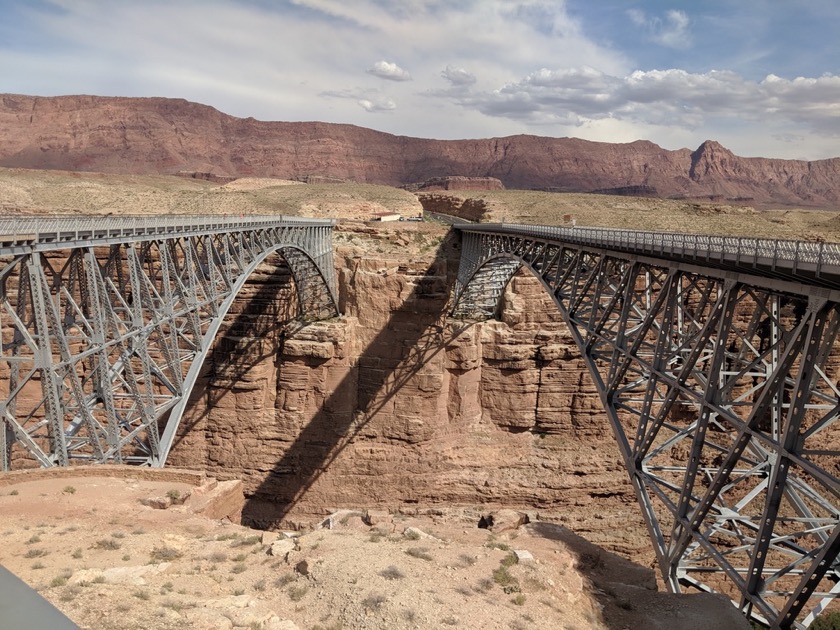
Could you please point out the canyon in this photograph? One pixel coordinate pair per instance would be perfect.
(393, 406)
(167, 136)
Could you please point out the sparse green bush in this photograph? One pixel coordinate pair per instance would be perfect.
(509, 560)
(503, 578)
(827, 621)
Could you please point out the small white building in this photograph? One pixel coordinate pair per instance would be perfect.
(386, 216)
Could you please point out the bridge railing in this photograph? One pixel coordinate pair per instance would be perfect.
(818, 258)
(38, 229)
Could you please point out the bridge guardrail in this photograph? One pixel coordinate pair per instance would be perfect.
(819, 258)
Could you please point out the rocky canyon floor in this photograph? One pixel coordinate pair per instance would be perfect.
(103, 552)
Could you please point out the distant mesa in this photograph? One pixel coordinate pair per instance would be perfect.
(174, 136)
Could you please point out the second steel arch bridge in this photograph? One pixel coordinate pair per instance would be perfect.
(716, 363)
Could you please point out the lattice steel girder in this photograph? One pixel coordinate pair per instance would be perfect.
(720, 383)
(105, 328)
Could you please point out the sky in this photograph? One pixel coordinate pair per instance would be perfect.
(762, 77)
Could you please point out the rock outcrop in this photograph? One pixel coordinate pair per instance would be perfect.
(395, 407)
(167, 136)
(457, 183)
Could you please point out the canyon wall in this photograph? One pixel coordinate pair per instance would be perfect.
(167, 136)
(394, 406)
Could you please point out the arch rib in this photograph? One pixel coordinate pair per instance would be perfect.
(720, 384)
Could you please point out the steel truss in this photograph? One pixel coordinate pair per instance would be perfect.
(721, 389)
(106, 323)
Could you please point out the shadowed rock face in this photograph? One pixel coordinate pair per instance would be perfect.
(156, 135)
(395, 406)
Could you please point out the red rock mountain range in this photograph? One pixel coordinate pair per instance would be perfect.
(165, 136)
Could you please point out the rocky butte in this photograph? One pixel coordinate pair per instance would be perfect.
(157, 135)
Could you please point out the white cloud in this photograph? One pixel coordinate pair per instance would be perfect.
(381, 105)
(389, 71)
(664, 97)
(458, 77)
(672, 31)
(479, 68)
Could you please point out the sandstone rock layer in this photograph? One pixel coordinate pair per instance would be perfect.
(157, 135)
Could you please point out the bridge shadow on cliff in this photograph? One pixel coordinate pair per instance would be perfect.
(412, 335)
(253, 332)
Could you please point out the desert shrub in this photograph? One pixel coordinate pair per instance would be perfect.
(164, 554)
(374, 601)
(108, 544)
(827, 621)
(392, 573)
(296, 593)
(283, 580)
(419, 552)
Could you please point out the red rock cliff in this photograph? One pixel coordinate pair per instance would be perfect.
(157, 135)
(393, 406)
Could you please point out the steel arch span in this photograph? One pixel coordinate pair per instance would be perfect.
(106, 323)
(716, 363)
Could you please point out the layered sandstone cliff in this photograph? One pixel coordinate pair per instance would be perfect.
(156, 135)
(395, 406)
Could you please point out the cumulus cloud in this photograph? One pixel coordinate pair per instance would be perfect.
(671, 97)
(380, 105)
(389, 71)
(458, 77)
(671, 31)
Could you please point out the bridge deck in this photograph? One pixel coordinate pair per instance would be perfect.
(816, 263)
(25, 234)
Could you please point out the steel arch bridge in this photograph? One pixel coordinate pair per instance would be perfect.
(716, 364)
(106, 322)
